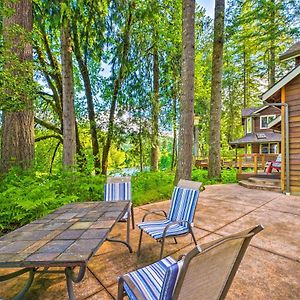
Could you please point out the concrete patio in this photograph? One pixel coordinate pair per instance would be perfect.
(270, 269)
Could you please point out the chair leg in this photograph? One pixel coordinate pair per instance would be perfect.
(140, 243)
(128, 229)
(132, 217)
(121, 289)
(193, 236)
(162, 247)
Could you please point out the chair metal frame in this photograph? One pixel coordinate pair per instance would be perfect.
(121, 179)
(247, 235)
(183, 184)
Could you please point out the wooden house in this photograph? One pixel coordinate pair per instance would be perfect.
(285, 94)
(258, 137)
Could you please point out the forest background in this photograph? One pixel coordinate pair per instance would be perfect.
(126, 64)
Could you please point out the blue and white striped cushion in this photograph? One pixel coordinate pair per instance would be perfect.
(156, 228)
(183, 204)
(117, 191)
(170, 281)
(154, 279)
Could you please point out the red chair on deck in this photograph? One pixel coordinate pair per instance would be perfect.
(274, 165)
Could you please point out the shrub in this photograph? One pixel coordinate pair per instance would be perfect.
(25, 197)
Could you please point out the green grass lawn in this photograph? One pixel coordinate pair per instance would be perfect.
(26, 197)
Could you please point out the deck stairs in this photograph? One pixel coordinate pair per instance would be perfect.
(261, 183)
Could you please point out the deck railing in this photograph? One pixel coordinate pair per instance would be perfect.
(254, 161)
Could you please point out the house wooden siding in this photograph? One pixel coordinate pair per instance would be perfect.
(265, 112)
(255, 148)
(293, 100)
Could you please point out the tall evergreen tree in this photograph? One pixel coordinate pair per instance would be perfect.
(214, 169)
(185, 158)
(17, 147)
(69, 127)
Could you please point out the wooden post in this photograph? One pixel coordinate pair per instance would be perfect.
(255, 164)
(282, 177)
(240, 165)
(263, 161)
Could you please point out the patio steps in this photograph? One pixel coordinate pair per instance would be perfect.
(259, 183)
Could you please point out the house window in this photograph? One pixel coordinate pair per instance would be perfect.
(274, 148)
(249, 149)
(269, 148)
(264, 148)
(265, 121)
(249, 125)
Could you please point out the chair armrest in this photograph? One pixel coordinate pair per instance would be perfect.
(174, 223)
(154, 212)
(126, 279)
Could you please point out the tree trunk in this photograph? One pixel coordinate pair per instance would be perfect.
(17, 147)
(111, 122)
(89, 98)
(69, 130)
(185, 158)
(272, 46)
(214, 169)
(117, 85)
(141, 144)
(155, 107)
(174, 147)
(244, 78)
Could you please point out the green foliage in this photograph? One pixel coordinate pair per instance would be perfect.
(17, 87)
(227, 176)
(25, 197)
(151, 187)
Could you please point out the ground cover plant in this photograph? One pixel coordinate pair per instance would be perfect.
(26, 196)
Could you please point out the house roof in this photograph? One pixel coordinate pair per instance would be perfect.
(294, 51)
(260, 138)
(281, 83)
(275, 122)
(246, 112)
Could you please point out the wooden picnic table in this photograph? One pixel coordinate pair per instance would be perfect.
(67, 237)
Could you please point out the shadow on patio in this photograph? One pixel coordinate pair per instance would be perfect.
(270, 269)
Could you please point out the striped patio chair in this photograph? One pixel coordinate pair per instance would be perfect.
(119, 189)
(179, 220)
(206, 272)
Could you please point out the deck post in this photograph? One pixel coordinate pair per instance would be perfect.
(283, 142)
(255, 164)
(263, 162)
(240, 164)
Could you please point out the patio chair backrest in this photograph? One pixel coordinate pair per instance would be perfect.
(278, 158)
(208, 271)
(184, 201)
(117, 188)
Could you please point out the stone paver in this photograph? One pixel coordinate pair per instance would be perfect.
(270, 269)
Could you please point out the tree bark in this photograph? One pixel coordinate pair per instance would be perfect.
(17, 147)
(272, 65)
(185, 158)
(141, 143)
(89, 98)
(214, 169)
(69, 130)
(174, 119)
(155, 106)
